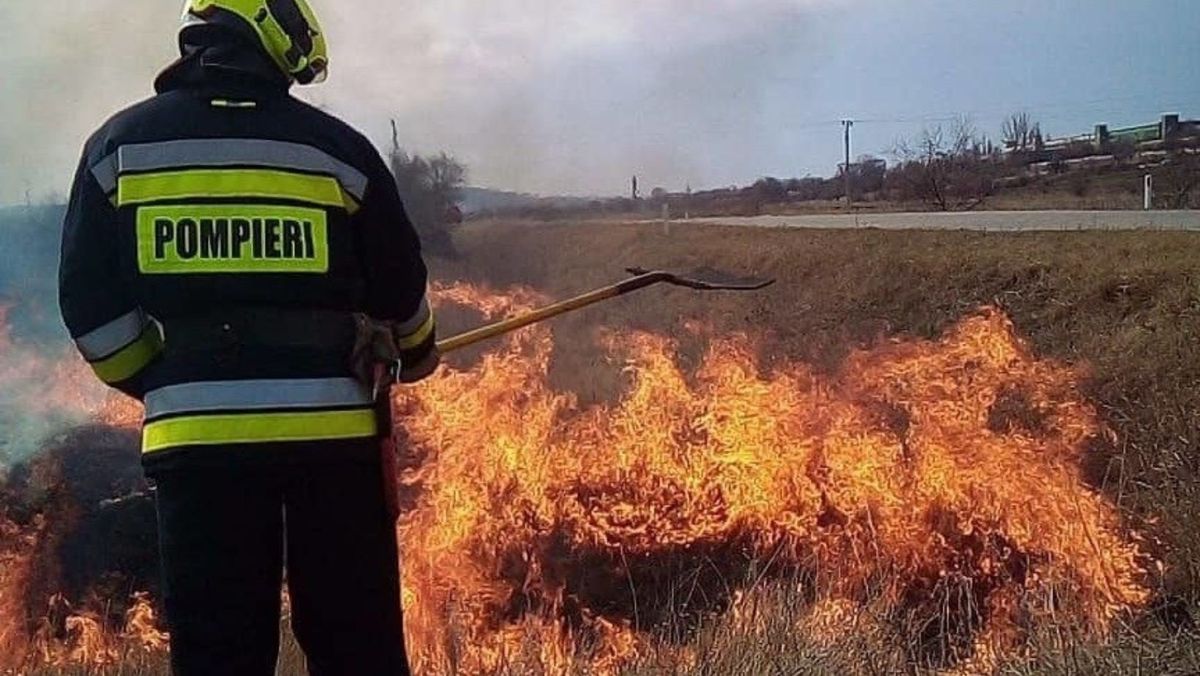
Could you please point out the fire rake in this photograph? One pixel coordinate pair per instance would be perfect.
(641, 280)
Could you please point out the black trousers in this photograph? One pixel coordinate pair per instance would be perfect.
(224, 537)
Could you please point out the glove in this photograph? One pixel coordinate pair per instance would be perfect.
(375, 344)
(422, 368)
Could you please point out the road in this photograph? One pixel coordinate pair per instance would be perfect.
(999, 221)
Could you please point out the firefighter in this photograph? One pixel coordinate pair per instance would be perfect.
(222, 245)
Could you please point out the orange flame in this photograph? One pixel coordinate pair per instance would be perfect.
(922, 473)
(924, 480)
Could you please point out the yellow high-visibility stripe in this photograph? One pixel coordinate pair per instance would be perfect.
(129, 361)
(252, 428)
(417, 337)
(225, 183)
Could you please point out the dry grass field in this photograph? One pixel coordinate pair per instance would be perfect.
(1123, 306)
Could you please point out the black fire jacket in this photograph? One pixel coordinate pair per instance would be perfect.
(220, 237)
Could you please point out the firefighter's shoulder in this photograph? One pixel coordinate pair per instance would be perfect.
(121, 126)
(345, 141)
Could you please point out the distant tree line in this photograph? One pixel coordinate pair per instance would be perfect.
(946, 167)
(943, 167)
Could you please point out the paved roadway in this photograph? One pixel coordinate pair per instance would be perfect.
(1000, 221)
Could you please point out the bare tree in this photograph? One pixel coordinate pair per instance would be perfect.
(1021, 134)
(947, 168)
(1178, 183)
(965, 137)
(868, 174)
(446, 178)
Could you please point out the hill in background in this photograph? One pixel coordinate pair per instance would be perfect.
(477, 201)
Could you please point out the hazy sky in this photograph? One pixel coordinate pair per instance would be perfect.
(574, 96)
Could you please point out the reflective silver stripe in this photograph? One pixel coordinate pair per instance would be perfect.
(113, 336)
(238, 395)
(106, 173)
(417, 321)
(225, 152)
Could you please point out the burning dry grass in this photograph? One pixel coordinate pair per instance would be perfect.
(1122, 306)
(780, 487)
(934, 485)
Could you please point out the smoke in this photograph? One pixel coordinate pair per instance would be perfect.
(574, 97)
(544, 96)
(44, 386)
(41, 395)
(28, 272)
(541, 97)
(65, 67)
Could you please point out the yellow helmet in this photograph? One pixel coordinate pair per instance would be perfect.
(287, 29)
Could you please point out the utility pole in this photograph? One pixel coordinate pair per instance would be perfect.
(848, 125)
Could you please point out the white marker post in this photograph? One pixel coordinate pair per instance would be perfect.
(1149, 192)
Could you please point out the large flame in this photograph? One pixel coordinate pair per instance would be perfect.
(939, 481)
(56, 387)
(937, 484)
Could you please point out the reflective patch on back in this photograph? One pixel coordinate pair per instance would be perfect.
(228, 103)
(232, 239)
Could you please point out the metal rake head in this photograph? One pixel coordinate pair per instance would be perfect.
(706, 279)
